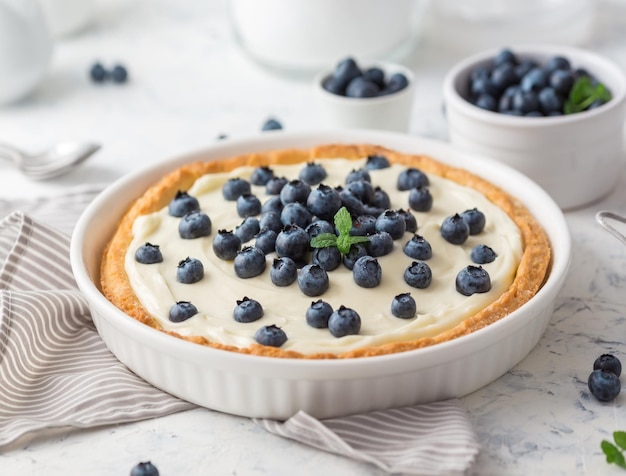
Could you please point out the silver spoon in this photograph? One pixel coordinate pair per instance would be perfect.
(55, 161)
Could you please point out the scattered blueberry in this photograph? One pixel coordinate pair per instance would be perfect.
(420, 199)
(271, 221)
(234, 188)
(249, 262)
(265, 240)
(482, 254)
(98, 73)
(312, 174)
(358, 174)
(247, 229)
(418, 275)
(362, 189)
(271, 124)
(194, 225)
(226, 245)
(376, 162)
(328, 258)
(344, 321)
(379, 244)
(181, 311)
(248, 205)
(272, 204)
(475, 219)
(609, 363)
(283, 271)
(293, 242)
(313, 280)
(363, 225)
(261, 175)
(412, 178)
(119, 74)
(182, 204)
(473, 279)
(275, 185)
(455, 229)
(144, 469)
(391, 222)
(403, 306)
(248, 310)
(353, 204)
(418, 248)
(367, 272)
(381, 199)
(296, 214)
(324, 202)
(409, 219)
(295, 191)
(189, 270)
(318, 227)
(148, 254)
(604, 385)
(318, 313)
(356, 252)
(271, 335)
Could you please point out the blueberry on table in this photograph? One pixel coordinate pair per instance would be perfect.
(391, 222)
(473, 279)
(328, 258)
(318, 313)
(292, 242)
(261, 175)
(379, 244)
(318, 227)
(194, 225)
(363, 189)
(272, 204)
(312, 174)
(234, 188)
(144, 469)
(358, 174)
(148, 254)
(98, 73)
(363, 225)
(271, 124)
(189, 271)
(420, 199)
(182, 204)
(295, 191)
(362, 88)
(296, 214)
(181, 311)
(376, 162)
(275, 185)
(482, 254)
(418, 248)
(409, 219)
(313, 280)
(475, 219)
(283, 271)
(403, 306)
(412, 178)
(249, 262)
(247, 229)
(248, 310)
(353, 204)
(356, 252)
(271, 221)
(248, 205)
(344, 321)
(418, 275)
(609, 363)
(604, 385)
(226, 245)
(119, 74)
(265, 240)
(271, 335)
(381, 199)
(324, 202)
(454, 229)
(367, 272)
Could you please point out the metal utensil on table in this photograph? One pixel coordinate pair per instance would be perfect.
(57, 160)
(603, 218)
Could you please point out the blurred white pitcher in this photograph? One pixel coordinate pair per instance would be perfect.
(25, 48)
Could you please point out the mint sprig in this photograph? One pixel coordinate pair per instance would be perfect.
(343, 242)
(615, 452)
(584, 93)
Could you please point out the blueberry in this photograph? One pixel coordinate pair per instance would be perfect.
(505, 56)
(271, 124)
(479, 71)
(455, 229)
(324, 202)
(381, 199)
(265, 240)
(367, 272)
(418, 275)
(248, 310)
(275, 185)
(261, 175)
(272, 204)
(271, 335)
(234, 188)
(362, 189)
(144, 469)
(344, 321)
(98, 73)
(334, 86)
(562, 81)
(412, 178)
(363, 225)
(248, 205)
(182, 204)
(534, 80)
(418, 248)
(189, 270)
(248, 228)
(356, 252)
(524, 67)
(181, 311)
(504, 76)
(380, 244)
(292, 242)
(391, 222)
(608, 362)
(353, 204)
(409, 219)
(526, 101)
(475, 219)
(604, 385)
(119, 74)
(295, 191)
(420, 199)
(194, 225)
(487, 102)
(358, 174)
(482, 254)
(346, 70)
(312, 174)
(505, 103)
(557, 63)
(473, 279)
(372, 210)
(296, 214)
(550, 101)
(318, 227)
(271, 221)
(249, 262)
(313, 280)
(328, 258)
(403, 306)
(318, 313)
(375, 75)
(376, 162)
(360, 87)
(283, 271)
(483, 85)
(226, 245)
(148, 254)
(396, 82)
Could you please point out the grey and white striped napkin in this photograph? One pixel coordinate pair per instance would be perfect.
(56, 372)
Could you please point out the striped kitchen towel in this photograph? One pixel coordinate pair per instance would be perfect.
(55, 371)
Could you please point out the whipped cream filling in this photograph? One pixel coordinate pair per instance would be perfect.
(439, 307)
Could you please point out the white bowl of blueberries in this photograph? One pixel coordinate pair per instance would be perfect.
(365, 95)
(555, 113)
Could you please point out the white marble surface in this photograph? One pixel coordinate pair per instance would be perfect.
(189, 83)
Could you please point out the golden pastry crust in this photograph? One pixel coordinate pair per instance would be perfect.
(531, 273)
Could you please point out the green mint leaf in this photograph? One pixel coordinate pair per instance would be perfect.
(324, 240)
(613, 454)
(343, 221)
(344, 244)
(620, 439)
(583, 94)
(359, 239)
